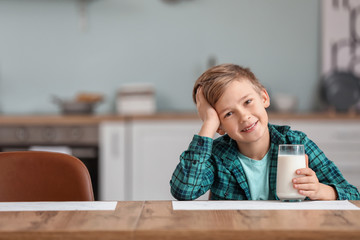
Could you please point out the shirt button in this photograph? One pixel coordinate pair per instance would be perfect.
(200, 142)
(195, 162)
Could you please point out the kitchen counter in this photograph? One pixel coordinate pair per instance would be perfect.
(314, 116)
(55, 119)
(85, 119)
(96, 119)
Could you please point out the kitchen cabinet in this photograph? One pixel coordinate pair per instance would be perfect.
(156, 147)
(113, 166)
(138, 157)
(338, 139)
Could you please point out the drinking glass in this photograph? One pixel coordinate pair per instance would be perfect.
(290, 158)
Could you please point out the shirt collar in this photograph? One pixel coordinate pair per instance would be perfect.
(277, 136)
(278, 133)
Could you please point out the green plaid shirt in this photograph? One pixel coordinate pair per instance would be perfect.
(213, 164)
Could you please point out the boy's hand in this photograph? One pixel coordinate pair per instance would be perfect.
(209, 116)
(309, 186)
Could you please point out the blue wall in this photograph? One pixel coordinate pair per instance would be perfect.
(45, 50)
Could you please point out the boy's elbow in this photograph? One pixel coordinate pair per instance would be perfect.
(178, 196)
(181, 195)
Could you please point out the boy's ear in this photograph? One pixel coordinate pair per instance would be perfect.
(220, 131)
(265, 98)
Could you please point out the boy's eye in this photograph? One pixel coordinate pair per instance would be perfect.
(248, 101)
(228, 114)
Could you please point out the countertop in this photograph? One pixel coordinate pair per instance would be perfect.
(96, 119)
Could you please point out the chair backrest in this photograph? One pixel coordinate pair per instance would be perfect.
(43, 176)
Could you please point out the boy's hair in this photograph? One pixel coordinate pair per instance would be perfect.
(215, 79)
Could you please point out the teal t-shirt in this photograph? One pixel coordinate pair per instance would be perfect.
(257, 175)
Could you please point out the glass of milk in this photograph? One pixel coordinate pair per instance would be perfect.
(290, 158)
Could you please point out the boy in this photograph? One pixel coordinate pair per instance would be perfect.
(241, 164)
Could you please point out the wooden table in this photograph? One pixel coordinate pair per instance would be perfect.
(157, 220)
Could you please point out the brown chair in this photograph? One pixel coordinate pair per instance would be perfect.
(43, 176)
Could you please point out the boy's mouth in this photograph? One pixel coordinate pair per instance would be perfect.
(249, 128)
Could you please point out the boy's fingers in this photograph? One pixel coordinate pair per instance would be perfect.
(197, 94)
(302, 180)
(307, 160)
(308, 194)
(304, 171)
(307, 187)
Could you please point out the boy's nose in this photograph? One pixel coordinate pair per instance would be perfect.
(244, 116)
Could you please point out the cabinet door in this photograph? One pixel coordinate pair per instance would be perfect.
(156, 147)
(113, 182)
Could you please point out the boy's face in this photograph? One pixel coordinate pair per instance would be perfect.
(242, 113)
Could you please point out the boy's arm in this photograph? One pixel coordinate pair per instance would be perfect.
(194, 174)
(331, 183)
(209, 116)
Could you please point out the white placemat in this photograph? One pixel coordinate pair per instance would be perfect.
(263, 205)
(58, 206)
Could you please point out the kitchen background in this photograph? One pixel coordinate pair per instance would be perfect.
(62, 47)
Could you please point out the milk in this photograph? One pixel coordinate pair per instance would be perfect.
(287, 165)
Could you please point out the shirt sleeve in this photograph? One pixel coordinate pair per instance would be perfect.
(328, 173)
(194, 175)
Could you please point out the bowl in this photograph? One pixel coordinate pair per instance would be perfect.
(74, 107)
(284, 103)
